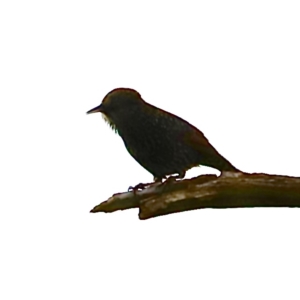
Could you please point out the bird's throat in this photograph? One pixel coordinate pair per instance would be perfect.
(111, 124)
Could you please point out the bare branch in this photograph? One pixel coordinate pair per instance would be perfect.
(208, 191)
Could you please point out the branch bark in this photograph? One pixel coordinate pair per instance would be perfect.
(208, 191)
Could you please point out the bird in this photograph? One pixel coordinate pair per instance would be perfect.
(161, 142)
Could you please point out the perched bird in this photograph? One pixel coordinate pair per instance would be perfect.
(161, 142)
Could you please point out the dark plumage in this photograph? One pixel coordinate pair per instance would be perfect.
(161, 142)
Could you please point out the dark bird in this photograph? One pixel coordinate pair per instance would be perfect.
(161, 142)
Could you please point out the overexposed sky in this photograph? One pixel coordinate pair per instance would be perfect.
(231, 68)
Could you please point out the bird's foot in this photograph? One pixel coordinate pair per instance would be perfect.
(173, 179)
(139, 187)
(179, 176)
(142, 186)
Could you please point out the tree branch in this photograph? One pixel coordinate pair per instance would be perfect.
(208, 191)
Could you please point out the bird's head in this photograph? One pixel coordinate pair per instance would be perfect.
(118, 106)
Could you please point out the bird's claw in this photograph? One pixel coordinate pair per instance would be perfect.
(142, 186)
(138, 187)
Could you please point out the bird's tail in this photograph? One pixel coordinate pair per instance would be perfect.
(223, 165)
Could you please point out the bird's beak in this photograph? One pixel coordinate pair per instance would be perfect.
(96, 109)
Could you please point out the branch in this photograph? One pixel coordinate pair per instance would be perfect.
(208, 191)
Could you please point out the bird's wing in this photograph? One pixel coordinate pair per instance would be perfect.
(209, 155)
(199, 142)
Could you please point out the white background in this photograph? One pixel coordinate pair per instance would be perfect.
(231, 68)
